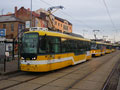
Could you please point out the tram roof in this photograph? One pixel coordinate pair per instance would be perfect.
(108, 43)
(51, 33)
(101, 43)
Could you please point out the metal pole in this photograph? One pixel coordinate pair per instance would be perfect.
(31, 14)
(5, 64)
(13, 49)
(5, 58)
(18, 54)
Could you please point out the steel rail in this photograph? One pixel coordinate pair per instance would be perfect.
(110, 75)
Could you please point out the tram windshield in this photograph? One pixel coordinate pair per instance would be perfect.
(108, 47)
(93, 46)
(29, 43)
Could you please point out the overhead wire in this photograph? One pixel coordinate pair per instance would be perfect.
(108, 12)
(80, 21)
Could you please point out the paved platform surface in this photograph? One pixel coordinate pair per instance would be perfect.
(10, 67)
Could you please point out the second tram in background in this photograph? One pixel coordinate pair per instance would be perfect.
(98, 48)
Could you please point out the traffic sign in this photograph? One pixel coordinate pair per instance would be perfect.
(2, 32)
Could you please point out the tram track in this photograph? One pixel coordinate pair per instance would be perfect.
(113, 78)
(69, 87)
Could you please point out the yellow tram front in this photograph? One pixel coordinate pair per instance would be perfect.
(108, 48)
(114, 47)
(43, 51)
(97, 48)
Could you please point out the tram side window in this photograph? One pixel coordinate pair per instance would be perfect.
(55, 44)
(72, 46)
(85, 44)
(79, 44)
(76, 46)
(93, 46)
(76, 50)
(68, 45)
(81, 47)
(98, 46)
(43, 45)
(64, 44)
(49, 44)
(88, 46)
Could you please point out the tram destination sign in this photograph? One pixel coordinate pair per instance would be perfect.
(2, 32)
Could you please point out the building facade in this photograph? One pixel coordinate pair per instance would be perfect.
(62, 25)
(12, 25)
(27, 16)
(23, 18)
(59, 24)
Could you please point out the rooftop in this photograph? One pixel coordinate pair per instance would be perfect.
(9, 19)
(62, 20)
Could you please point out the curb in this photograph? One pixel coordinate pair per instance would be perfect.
(9, 73)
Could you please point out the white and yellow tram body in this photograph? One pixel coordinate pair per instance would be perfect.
(43, 58)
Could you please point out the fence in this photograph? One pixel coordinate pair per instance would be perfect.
(8, 56)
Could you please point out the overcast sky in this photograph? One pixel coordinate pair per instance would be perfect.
(85, 15)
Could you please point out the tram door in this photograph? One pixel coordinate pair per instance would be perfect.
(54, 49)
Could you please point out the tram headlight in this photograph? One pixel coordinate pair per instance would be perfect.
(22, 58)
(34, 58)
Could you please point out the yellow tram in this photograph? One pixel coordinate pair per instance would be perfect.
(43, 51)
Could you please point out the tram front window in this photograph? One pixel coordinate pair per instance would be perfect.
(30, 43)
(93, 46)
(108, 47)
